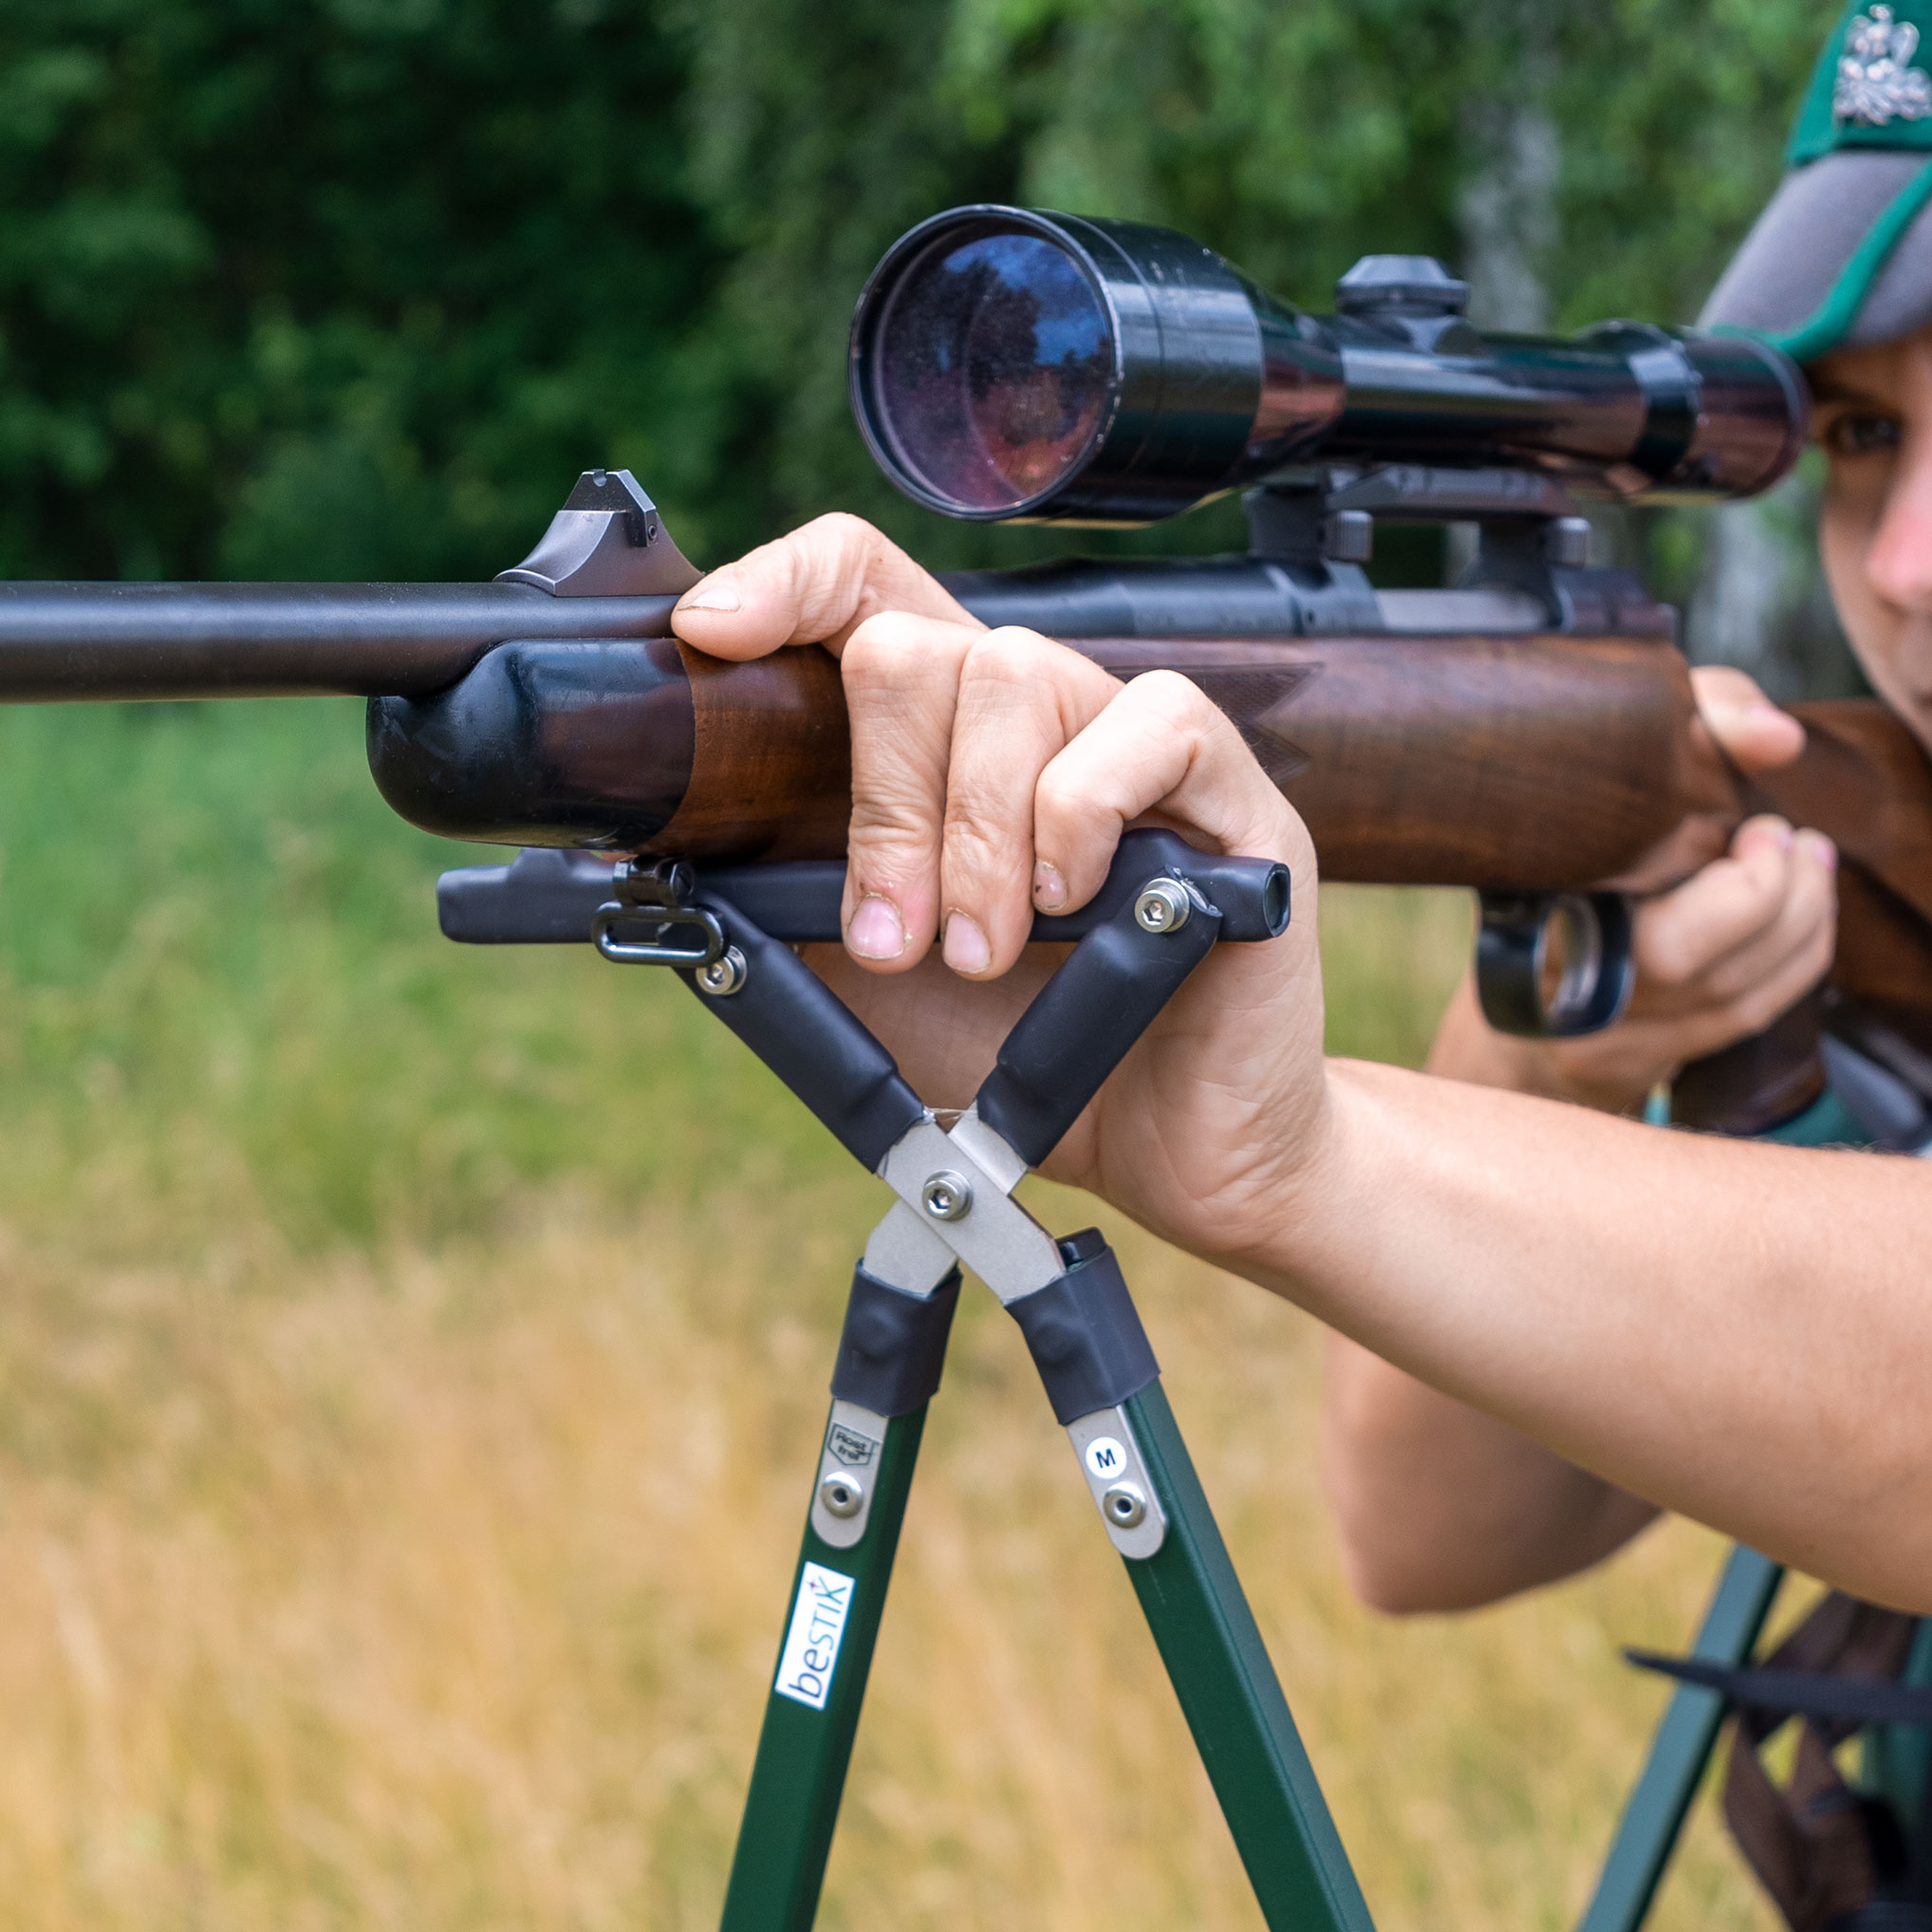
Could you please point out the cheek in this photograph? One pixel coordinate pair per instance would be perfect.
(1879, 632)
(1848, 523)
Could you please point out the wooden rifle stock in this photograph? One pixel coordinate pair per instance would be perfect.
(1863, 779)
(1508, 764)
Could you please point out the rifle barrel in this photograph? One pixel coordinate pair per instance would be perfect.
(63, 641)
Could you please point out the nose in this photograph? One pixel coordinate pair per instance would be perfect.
(1899, 563)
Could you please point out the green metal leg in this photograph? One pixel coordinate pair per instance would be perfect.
(1219, 1667)
(1647, 1834)
(812, 1713)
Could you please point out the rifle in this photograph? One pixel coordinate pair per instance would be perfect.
(1529, 733)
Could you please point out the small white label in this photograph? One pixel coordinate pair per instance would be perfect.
(854, 1450)
(812, 1645)
(1106, 1459)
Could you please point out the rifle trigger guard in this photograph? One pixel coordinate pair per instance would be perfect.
(658, 951)
(1553, 965)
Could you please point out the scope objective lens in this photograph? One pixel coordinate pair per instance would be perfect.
(994, 368)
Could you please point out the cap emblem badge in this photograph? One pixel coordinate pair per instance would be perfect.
(1876, 82)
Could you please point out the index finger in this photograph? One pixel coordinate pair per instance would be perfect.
(815, 587)
(1162, 745)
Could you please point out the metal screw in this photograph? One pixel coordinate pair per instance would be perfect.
(1568, 542)
(1348, 536)
(946, 1195)
(843, 1495)
(1162, 907)
(1123, 1506)
(723, 975)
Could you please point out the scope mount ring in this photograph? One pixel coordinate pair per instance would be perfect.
(657, 950)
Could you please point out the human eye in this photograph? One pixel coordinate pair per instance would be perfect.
(1860, 432)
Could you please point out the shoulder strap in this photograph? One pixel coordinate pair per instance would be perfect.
(1827, 1854)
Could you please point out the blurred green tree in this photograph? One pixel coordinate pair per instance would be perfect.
(348, 288)
(343, 287)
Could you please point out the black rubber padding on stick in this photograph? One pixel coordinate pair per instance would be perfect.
(815, 1043)
(1109, 990)
(894, 1345)
(1086, 1337)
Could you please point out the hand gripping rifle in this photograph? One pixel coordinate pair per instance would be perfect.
(1529, 733)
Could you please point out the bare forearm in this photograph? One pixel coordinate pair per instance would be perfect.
(1441, 1507)
(1739, 1332)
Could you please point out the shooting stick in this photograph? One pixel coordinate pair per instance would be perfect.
(729, 934)
(1163, 910)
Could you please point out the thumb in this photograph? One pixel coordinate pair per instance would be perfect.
(1750, 730)
(816, 586)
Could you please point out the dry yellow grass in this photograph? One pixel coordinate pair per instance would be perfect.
(437, 1586)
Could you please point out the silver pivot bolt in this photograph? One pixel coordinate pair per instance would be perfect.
(723, 975)
(1162, 907)
(946, 1195)
(842, 1494)
(1123, 1506)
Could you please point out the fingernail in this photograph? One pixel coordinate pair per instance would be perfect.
(965, 949)
(716, 593)
(1049, 889)
(1777, 832)
(877, 931)
(1823, 850)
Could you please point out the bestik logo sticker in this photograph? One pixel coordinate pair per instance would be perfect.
(812, 1645)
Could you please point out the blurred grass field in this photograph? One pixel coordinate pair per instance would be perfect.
(412, 1361)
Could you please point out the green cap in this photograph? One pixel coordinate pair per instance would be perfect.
(1842, 255)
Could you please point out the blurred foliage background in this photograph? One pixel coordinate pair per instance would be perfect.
(410, 1357)
(354, 288)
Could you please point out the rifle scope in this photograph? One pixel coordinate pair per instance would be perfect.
(1014, 365)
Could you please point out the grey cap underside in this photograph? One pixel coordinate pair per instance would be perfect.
(1808, 230)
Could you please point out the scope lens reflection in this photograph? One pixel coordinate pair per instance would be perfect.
(995, 360)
